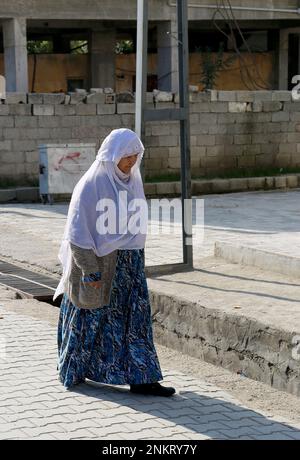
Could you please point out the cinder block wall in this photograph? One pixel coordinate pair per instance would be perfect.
(229, 130)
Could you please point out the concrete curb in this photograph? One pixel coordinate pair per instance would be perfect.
(269, 261)
(171, 189)
(235, 342)
(19, 195)
(211, 186)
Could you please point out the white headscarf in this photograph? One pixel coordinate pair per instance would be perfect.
(104, 180)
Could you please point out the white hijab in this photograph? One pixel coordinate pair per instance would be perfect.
(104, 180)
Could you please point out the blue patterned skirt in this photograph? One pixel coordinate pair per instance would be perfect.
(113, 344)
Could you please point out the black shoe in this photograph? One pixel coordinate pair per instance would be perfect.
(155, 389)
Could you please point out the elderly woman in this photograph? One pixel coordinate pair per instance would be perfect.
(105, 330)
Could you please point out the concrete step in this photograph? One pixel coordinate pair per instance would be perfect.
(19, 194)
(267, 260)
(242, 318)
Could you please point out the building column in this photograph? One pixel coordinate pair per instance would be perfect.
(167, 56)
(15, 54)
(102, 52)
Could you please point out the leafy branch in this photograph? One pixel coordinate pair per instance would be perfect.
(212, 64)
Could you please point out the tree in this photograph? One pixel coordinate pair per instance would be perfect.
(124, 47)
(79, 47)
(39, 46)
(212, 64)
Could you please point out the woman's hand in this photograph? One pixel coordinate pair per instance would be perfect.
(94, 284)
(92, 279)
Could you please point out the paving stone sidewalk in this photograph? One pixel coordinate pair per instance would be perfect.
(34, 405)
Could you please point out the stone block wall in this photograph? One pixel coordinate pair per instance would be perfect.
(229, 130)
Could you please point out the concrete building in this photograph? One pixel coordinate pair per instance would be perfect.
(270, 29)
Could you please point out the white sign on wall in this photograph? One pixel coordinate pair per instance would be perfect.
(62, 165)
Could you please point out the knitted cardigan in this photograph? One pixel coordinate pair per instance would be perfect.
(86, 266)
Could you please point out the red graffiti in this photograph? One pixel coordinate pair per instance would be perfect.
(70, 156)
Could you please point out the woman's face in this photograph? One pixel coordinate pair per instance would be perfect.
(126, 163)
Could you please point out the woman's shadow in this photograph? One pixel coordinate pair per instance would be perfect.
(207, 413)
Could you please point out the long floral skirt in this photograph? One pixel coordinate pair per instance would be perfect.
(112, 344)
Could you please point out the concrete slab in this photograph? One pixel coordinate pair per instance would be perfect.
(265, 220)
(34, 405)
(242, 318)
(280, 263)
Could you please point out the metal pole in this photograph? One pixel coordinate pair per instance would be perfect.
(142, 115)
(141, 71)
(183, 61)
